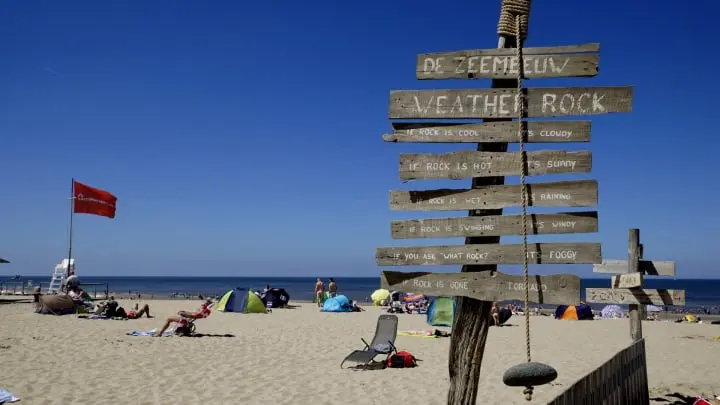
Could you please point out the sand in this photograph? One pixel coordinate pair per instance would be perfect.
(292, 356)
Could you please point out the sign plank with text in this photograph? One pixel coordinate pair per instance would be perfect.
(490, 132)
(582, 193)
(553, 289)
(467, 164)
(538, 253)
(550, 62)
(504, 103)
(495, 225)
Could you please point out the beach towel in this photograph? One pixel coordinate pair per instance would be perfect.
(418, 333)
(6, 397)
(169, 332)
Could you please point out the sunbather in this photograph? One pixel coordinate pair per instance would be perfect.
(204, 312)
(145, 310)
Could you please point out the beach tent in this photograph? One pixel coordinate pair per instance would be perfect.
(241, 301)
(574, 312)
(380, 296)
(441, 311)
(653, 308)
(276, 298)
(337, 304)
(612, 312)
(57, 304)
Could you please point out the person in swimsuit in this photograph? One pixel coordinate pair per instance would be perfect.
(145, 310)
(495, 311)
(332, 287)
(319, 289)
(181, 316)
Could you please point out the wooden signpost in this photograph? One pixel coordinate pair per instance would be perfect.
(479, 283)
(626, 286)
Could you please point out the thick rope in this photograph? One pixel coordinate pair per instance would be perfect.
(523, 186)
(510, 10)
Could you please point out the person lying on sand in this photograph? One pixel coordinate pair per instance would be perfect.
(145, 310)
(204, 312)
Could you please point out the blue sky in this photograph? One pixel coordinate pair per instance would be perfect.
(244, 138)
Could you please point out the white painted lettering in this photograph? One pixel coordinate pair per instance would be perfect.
(459, 285)
(563, 224)
(531, 287)
(436, 166)
(561, 163)
(555, 196)
(477, 255)
(563, 254)
(477, 228)
(429, 229)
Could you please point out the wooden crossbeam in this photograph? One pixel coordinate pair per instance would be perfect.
(649, 267)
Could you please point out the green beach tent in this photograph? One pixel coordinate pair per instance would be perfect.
(241, 301)
(441, 311)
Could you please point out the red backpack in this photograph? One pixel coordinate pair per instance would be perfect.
(401, 360)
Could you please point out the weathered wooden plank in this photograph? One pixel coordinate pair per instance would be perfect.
(538, 253)
(635, 296)
(490, 132)
(560, 61)
(502, 103)
(495, 225)
(553, 289)
(648, 267)
(466, 164)
(582, 193)
(629, 280)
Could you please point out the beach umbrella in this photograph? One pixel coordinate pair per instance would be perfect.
(612, 311)
(653, 308)
(4, 261)
(379, 296)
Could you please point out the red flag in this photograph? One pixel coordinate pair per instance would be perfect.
(90, 200)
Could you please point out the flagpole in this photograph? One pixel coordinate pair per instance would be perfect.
(70, 228)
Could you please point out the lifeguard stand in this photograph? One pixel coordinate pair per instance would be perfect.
(60, 274)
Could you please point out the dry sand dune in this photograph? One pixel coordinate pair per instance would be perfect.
(292, 356)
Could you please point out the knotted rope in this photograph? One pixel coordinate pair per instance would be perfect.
(509, 12)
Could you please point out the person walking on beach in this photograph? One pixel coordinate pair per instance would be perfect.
(332, 287)
(319, 290)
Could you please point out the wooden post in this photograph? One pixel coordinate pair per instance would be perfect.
(472, 318)
(634, 267)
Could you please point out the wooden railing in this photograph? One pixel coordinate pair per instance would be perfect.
(622, 380)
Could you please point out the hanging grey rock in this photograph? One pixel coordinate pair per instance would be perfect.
(529, 375)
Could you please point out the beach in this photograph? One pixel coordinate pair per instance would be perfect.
(292, 356)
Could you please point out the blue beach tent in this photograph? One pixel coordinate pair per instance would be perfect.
(337, 304)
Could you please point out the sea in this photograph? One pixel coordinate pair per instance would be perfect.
(699, 293)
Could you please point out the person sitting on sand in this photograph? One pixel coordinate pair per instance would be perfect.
(495, 311)
(319, 289)
(204, 312)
